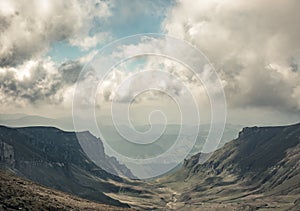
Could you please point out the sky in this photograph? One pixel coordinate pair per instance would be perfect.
(253, 46)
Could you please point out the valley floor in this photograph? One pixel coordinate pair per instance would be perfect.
(168, 199)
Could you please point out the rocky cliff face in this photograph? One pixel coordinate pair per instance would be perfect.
(54, 158)
(7, 155)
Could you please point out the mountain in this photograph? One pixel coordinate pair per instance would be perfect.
(4, 117)
(258, 170)
(23, 120)
(163, 143)
(17, 193)
(54, 158)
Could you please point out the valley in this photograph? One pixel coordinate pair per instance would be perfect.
(259, 170)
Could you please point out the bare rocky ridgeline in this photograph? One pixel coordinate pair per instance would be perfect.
(7, 155)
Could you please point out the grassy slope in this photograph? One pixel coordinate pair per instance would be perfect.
(259, 170)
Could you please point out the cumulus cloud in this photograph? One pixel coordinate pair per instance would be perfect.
(27, 31)
(37, 81)
(126, 82)
(28, 28)
(254, 45)
(126, 88)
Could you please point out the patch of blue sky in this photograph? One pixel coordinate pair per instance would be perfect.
(63, 51)
(129, 17)
(136, 17)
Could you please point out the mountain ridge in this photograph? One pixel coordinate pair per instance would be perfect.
(261, 165)
(259, 170)
(54, 158)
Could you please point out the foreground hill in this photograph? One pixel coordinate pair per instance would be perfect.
(19, 194)
(54, 158)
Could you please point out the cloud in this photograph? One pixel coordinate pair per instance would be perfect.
(29, 28)
(37, 81)
(254, 45)
(135, 87)
(126, 81)
(70, 71)
(87, 42)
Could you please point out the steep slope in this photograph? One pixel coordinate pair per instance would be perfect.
(54, 158)
(259, 170)
(20, 194)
